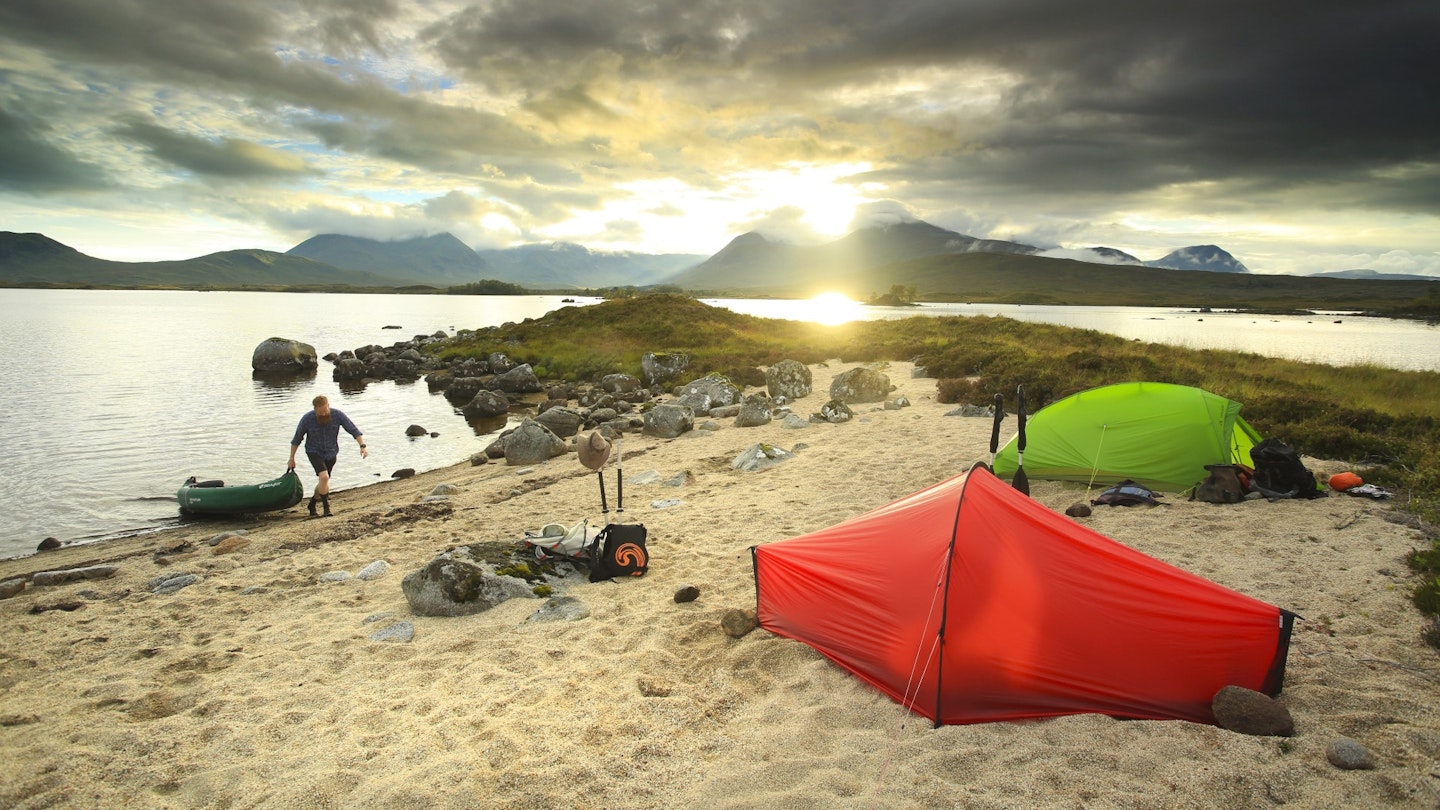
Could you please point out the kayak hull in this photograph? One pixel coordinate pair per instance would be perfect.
(270, 496)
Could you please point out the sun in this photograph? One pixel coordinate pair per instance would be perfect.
(831, 309)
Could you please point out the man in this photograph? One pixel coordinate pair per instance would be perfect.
(320, 430)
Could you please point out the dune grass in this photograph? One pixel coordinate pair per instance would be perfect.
(1382, 421)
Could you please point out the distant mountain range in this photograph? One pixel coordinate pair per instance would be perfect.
(864, 262)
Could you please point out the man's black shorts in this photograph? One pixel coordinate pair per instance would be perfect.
(320, 463)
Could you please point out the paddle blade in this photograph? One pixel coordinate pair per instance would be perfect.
(999, 408)
(1020, 482)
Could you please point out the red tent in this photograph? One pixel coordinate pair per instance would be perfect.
(969, 602)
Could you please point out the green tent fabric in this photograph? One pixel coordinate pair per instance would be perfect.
(1156, 434)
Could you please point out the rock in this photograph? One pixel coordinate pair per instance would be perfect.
(620, 384)
(668, 421)
(445, 490)
(519, 380)
(689, 593)
(499, 363)
(897, 403)
(1246, 711)
(348, 368)
(449, 586)
(48, 544)
(860, 385)
(171, 582)
(665, 503)
(1349, 755)
(399, 633)
(374, 570)
(461, 390)
(403, 472)
(560, 609)
(532, 443)
(334, 576)
(230, 544)
(790, 379)
(282, 355)
(986, 411)
(662, 367)
(737, 622)
(223, 536)
(794, 421)
(760, 457)
(835, 412)
(476, 459)
(415, 430)
(720, 390)
(73, 574)
(754, 412)
(563, 422)
(1078, 510)
(684, 478)
(486, 404)
(11, 587)
(725, 411)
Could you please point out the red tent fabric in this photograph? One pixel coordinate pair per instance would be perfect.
(969, 602)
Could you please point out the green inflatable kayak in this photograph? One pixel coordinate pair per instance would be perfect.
(214, 498)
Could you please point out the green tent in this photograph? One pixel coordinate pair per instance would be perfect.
(1156, 434)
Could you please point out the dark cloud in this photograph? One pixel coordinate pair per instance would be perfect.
(227, 158)
(30, 163)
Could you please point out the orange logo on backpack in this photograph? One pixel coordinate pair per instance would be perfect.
(630, 555)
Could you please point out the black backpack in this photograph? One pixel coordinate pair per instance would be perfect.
(619, 551)
(1279, 473)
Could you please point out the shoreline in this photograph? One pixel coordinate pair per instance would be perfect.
(261, 685)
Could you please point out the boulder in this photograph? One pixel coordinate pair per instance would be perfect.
(720, 390)
(519, 380)
(486, 405)
(499, 363)
(790, 379)
(760, 457)
(283, 356)
(662, 367)
(754, 412)
(835, 412)
(860, 385)
(563, 422)
(668, 421)
(451, 586)
(532, 443)
(464, 389)
(348, 368)
(619, 384)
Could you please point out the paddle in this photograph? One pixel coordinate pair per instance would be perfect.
(619, 480)
(1020, 482)
(999, 409)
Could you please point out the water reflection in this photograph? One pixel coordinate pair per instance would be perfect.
(283, 381)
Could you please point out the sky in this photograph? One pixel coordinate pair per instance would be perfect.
(1302, 136)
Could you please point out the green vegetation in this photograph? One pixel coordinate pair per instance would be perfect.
(1380, 420)
(900, 295)
(488, 286)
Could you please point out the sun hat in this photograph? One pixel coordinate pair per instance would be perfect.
(594, 450)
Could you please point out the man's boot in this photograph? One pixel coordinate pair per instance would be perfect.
(325, 499)
(313, 513)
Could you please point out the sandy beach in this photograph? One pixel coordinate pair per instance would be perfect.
(259, 685)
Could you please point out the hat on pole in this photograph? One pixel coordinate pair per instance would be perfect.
(594, 450)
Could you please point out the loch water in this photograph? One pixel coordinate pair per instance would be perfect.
(110, 399)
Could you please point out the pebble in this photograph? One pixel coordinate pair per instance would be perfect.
(334, 576)
(172, 582)
(665, 503)
(399, 632)
(374, 570)
(1349, 755)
